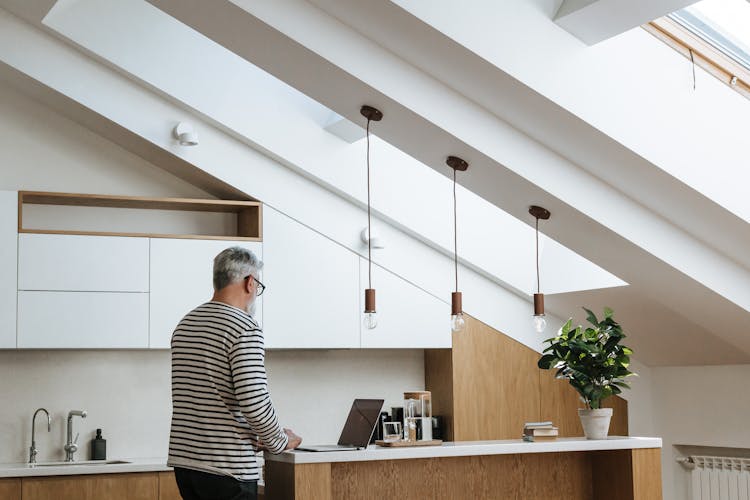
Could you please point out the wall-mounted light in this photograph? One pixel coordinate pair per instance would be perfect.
(371, 318)
(373, 237)
(540, 323)
(185, 134)
(458, 323)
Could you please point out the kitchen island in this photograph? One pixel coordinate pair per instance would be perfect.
(617, 468)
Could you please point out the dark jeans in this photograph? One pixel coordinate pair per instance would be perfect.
(196, 485)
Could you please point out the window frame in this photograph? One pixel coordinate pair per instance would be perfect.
(705, 55)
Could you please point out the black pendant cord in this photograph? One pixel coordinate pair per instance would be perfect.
(455, 229)
(537, 256)
(369, 219)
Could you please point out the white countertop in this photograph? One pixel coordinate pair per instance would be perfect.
(84, 467)
(466, 448)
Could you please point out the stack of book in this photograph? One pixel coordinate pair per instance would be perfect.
(539, 431)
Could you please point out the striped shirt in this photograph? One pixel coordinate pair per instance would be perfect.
(220, 400)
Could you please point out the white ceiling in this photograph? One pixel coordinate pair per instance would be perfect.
(689, 296)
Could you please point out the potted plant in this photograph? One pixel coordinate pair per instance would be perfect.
(595, 364)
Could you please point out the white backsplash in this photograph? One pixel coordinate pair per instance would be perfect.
(127, 395)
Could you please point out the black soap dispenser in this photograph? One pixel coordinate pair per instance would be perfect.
(98, 447)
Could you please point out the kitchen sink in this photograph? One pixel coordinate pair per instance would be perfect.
(85, 462)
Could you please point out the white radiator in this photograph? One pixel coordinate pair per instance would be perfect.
(719, 478)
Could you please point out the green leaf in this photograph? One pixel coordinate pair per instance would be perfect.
(591, 317)
(566, 327)
(608, 312)
(547, 361)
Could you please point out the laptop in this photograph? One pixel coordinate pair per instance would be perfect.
(358, 429)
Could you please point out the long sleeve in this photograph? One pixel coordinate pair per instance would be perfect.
(248, 372)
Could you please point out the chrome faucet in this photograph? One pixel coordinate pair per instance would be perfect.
(71, 445)
(32, 450)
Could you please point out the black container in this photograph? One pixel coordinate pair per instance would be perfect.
(397, 414)
(98, 447)
(437, 427)
(378, 433)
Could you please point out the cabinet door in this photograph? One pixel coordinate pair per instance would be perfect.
(408, 317)
(10, 489)
(82, 320)
(311, 300)
(135, 486)
(82, 263)
(182, 279)
(8, 267)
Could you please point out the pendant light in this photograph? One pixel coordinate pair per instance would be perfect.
(458, 323)
(539, 322)
(371, 319)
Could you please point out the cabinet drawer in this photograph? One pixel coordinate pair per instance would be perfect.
(82, 263)
(82, 320)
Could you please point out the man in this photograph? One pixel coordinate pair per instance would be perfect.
(222, 412)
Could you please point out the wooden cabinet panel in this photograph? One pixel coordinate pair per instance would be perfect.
(137, 486)
(168, 489)
(10, 489)
(82, 320)
(488, 385)
(438, 378)
(8, 267)
(182, 279)
(313, 287)
(408, 317)
(627, 474)
(82, 263)
(619, 424)
(495, 384)
(559, 403)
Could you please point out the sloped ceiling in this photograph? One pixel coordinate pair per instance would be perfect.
(688, 298)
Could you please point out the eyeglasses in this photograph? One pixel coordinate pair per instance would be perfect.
(261, 286)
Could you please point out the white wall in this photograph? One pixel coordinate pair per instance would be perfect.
(702, 406)
(706, 406)
(127, 393)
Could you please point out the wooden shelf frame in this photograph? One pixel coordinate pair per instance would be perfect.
(249, 212)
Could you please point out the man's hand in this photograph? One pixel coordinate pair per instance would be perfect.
(294, 440)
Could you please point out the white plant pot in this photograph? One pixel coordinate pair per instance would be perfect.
(595, 422)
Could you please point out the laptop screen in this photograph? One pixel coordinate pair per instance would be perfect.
(361, 422)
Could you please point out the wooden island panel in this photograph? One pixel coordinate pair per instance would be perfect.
(583, 475)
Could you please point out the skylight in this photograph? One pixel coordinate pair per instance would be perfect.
(725, 24)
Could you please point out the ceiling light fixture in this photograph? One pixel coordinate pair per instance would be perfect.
(539, 322)
(458, 323)
(371, 318)
(185, 134)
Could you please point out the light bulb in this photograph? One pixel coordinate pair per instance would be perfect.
(457, 323)
(539, 323)
(371, 320)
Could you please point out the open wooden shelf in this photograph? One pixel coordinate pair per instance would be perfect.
(249, 213)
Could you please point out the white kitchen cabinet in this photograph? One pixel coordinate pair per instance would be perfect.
(82, 320)
(82, 263)
(313, 287)
(8, 267)
(408, 317)
(182, 279)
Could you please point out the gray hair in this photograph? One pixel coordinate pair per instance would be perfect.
(233, 265)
